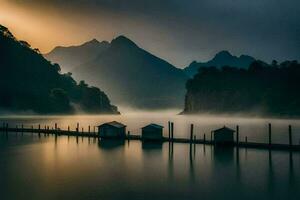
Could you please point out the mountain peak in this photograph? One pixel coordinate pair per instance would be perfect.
(123, 41)
(223, 54)
(92, 42)
(4, 30)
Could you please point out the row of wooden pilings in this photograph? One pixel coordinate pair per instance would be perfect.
(54, 130)
(269, 135)
(192, 138)
(237, 139)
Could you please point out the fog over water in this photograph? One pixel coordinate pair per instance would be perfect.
(255, 128)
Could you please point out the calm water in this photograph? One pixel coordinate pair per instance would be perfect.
(66, 168)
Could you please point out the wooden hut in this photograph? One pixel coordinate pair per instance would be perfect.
(112, 129)
(152, 132)
(224, 136)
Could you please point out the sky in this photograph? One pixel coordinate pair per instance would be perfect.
(178, 31)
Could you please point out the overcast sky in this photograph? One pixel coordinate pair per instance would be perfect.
(179, 31)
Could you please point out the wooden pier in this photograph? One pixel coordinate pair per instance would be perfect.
(191, 140)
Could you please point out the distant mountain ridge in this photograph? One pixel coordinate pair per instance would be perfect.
(131, 75)
(223, 58)
(72, 56)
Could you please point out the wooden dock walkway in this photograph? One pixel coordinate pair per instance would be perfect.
(192, 140)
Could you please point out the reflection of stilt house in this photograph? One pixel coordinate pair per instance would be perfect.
(152, 132)
(224, 136)
(112, 130)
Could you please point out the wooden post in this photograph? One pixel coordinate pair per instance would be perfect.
(68, 128)
(204, 139)
(128, 135)
(172, 130)
(169, 130)
(89, 128)
(55, 126)
(77, 128)
(290, 136)
(237, 135)
(82, 130)
(192, 133)
(270, 134)
(246, 139)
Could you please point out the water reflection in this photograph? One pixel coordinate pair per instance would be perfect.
(168, 168)
(223, 154)
(150, 146)
(110, 144)
(292, 180)
(238, 167)
(170, 160)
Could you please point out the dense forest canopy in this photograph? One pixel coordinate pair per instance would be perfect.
(262, 89)
(31, 83)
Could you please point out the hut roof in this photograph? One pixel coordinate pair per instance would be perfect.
(153, 126)
(223, 129)
(114, 124)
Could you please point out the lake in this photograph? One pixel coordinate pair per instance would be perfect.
(47, 167)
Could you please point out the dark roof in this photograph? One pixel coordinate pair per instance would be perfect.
(154, 126)
(224, 129)
(114, 124)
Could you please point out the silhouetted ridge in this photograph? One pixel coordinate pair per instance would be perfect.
(29, 82)
(71, 57)
(261, 89)
(223, 58)
(223, 55)
(122, 41)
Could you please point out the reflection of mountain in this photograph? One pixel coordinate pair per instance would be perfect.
(31, 83)
(130, 74)
(223, 58)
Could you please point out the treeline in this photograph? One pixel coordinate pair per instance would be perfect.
(31, 83)
(261, 89)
